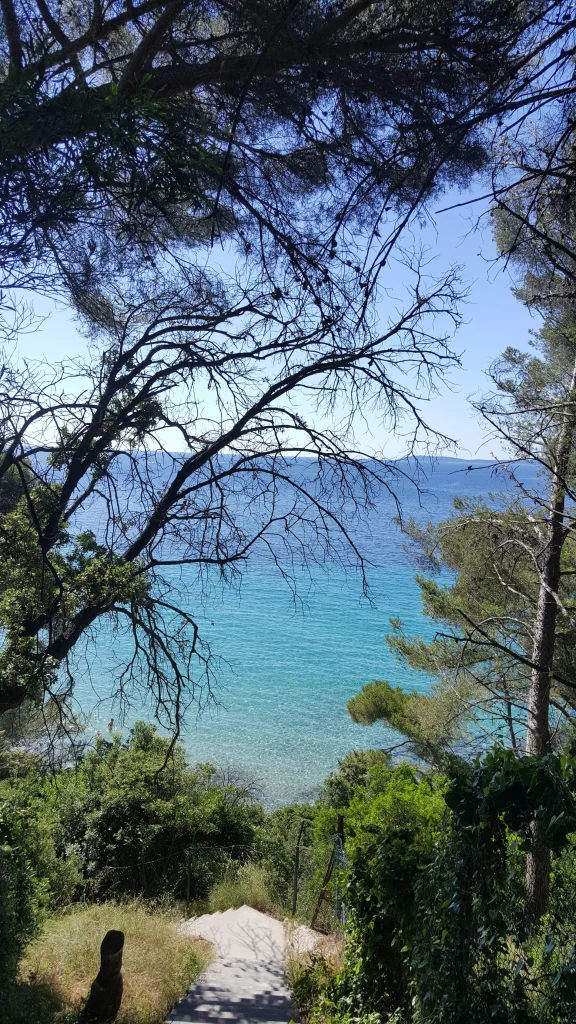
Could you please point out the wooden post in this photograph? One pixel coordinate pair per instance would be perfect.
(297, 869)
(338, 903)
(322, 896)
(188, 877)
(105, 997)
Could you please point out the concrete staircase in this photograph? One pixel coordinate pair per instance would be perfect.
(245, 983)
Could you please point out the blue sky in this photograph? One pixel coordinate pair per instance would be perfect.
(493, 320)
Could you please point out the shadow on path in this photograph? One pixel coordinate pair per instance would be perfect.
(246, 981)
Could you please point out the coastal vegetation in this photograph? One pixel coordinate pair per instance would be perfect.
(434, 883)
(219, 411)
(504, 653)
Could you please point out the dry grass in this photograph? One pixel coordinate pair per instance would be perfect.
(248, 886)
(303, 943)
(158, 964)
(313, 960)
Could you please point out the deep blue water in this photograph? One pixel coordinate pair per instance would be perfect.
(290, 666)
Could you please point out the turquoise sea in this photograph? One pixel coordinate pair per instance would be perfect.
(289, 666)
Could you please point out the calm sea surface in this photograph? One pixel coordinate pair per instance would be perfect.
(289, 667)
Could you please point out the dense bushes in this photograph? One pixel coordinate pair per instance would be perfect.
(276, 845)
(353, 773)
(135, 818)
(23, 895)
(124, 821)
(437, 929)
(394, 826)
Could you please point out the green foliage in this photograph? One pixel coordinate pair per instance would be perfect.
(353, 771)
(12, 486)
(128, 815)
(476, 955)
(430, 722)
(309, 979)
(22, 894)
(397, 799)
(504, 788)
(244, 884)
(488, 549)
(79, 571)
(276, 841)
(437, 928)
(392, 830)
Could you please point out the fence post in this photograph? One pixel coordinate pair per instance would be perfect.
(340, 861)
(297, 869)
(188, 876)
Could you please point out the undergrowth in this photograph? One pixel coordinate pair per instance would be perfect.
(247, 885)
(59, 966)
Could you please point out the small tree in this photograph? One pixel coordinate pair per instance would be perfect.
(510, 651)
(94, 434)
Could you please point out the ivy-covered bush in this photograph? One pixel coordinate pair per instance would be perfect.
(438, 930)
(393, 827)
(23, 896)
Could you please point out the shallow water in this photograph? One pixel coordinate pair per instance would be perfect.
(290, 667)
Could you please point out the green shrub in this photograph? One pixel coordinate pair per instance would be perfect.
(393, 827)
(309, 978)
(438, 930)
(123, 822)
(353, 772)
(22, 894)
(331, 1015)
(276, 841)
(247, 885)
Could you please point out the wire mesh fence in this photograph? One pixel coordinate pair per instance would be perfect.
(541, 960)
(308, 888)
(181, 873)
(318, 876)
(522, 970)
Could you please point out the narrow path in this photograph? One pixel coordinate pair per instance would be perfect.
(245, 982)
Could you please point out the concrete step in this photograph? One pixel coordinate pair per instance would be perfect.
(245, 983)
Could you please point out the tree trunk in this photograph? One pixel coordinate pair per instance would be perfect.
(538, 724)
(538, 865)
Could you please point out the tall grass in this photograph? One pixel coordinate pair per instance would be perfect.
(158, 965)
(311, 972)
(248, 885)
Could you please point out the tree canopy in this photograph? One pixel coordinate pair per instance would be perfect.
(303, 134)
(131, 127)
(93, 432)
(505, 649)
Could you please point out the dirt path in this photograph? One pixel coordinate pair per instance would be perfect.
(245, 982)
